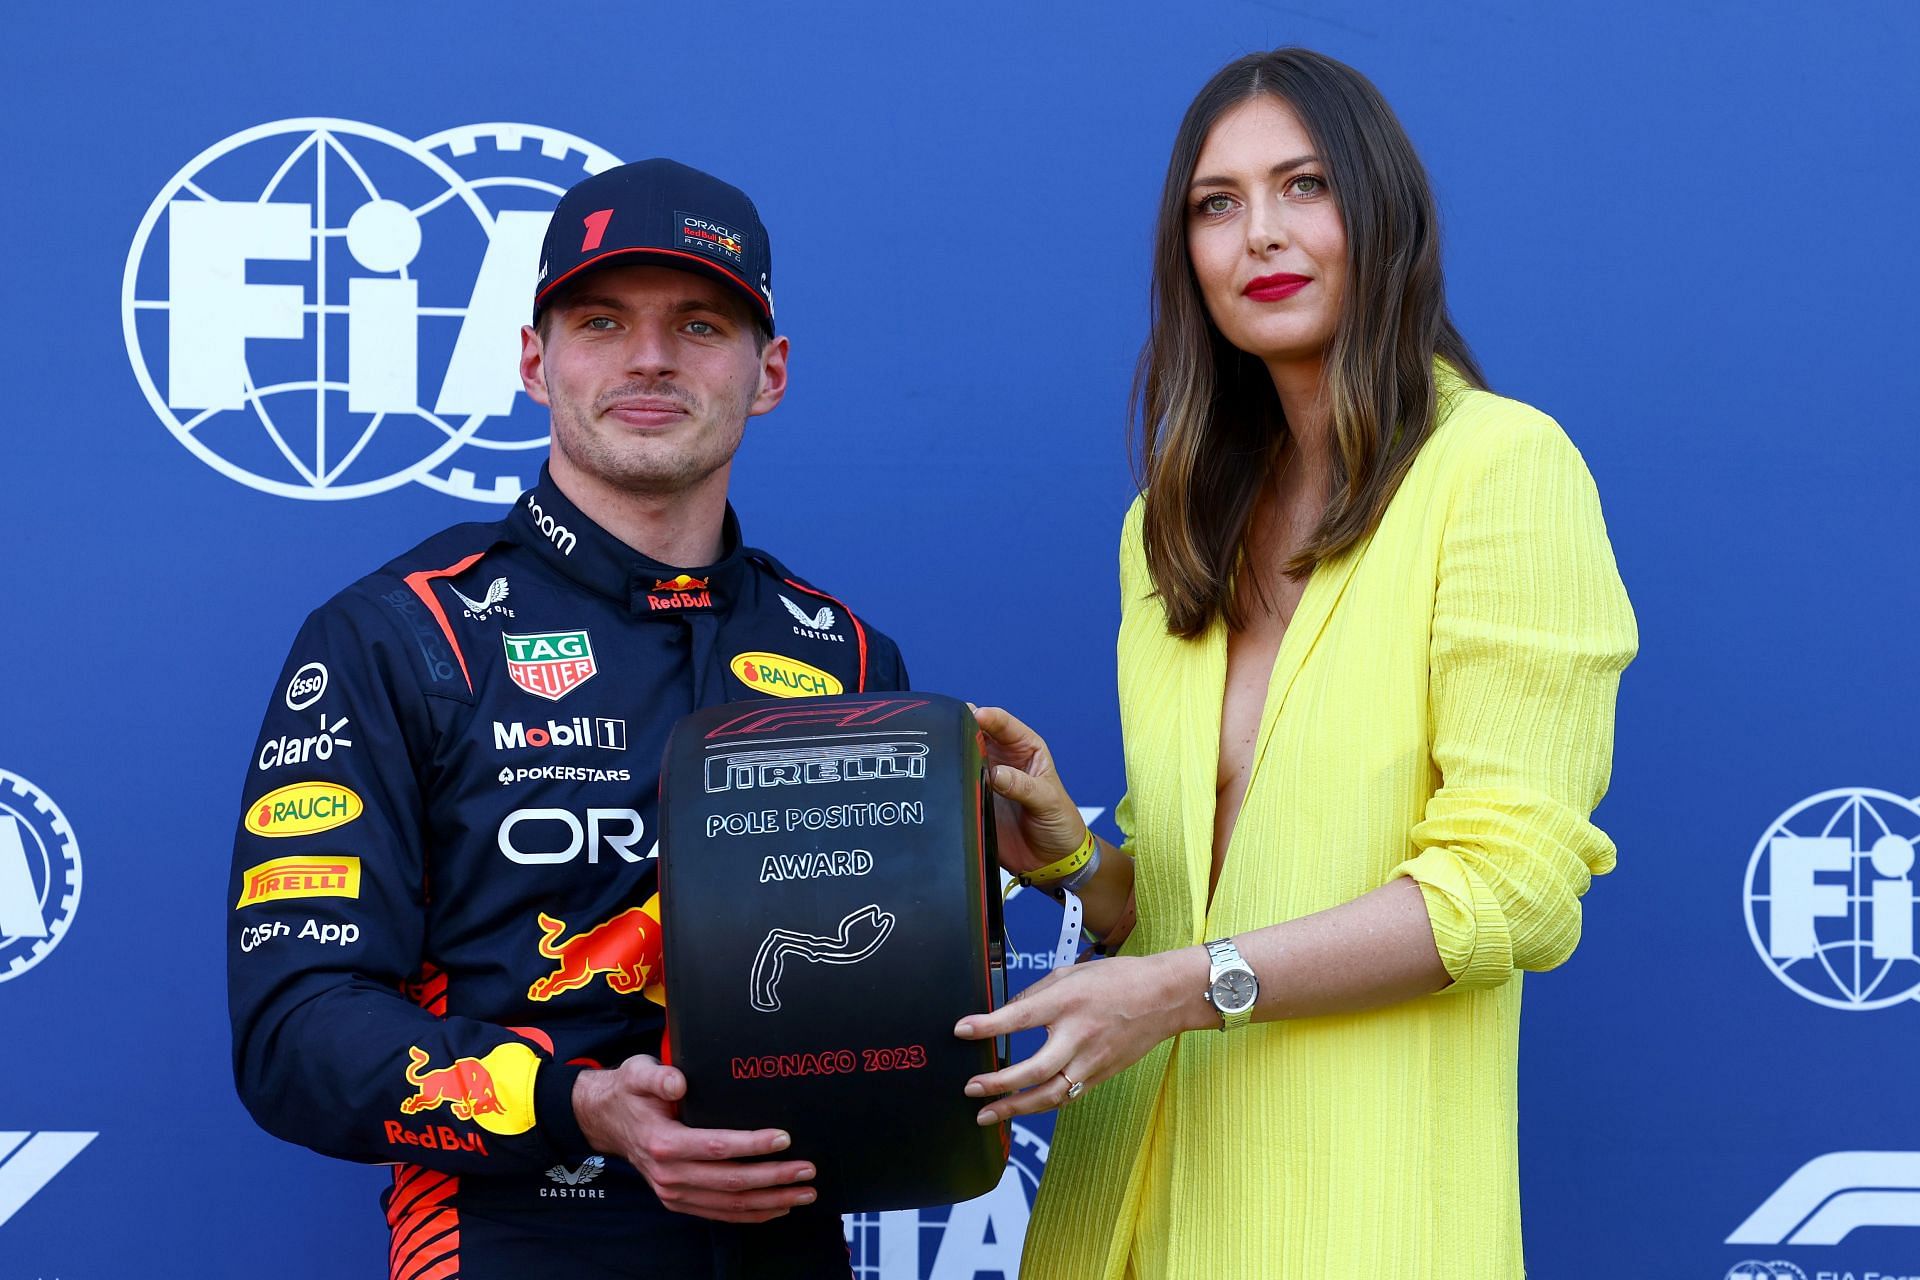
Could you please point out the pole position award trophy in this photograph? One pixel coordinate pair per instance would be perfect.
(830, 905)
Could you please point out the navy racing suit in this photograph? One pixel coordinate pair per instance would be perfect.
(443, 897)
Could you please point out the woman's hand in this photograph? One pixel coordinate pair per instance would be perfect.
(1101, 1018)
(1033, 815)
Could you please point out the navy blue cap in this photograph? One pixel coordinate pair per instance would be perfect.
(664, 213)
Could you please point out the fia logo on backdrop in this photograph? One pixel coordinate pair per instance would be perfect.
(324, 309)
(974, 1240)
(39, 876)
(1830, 898)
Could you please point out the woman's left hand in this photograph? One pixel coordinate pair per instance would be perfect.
(1101, 1018)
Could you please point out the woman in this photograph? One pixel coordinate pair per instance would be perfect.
(1372, 633)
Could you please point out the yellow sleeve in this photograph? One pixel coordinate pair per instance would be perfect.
(1531, 629)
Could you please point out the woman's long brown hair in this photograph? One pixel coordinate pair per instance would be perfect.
(1211, 426)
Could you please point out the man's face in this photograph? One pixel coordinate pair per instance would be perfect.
(651, 374)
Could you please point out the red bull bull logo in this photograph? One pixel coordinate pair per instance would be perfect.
(494, 1091)
(625, 950)
(467, 1086)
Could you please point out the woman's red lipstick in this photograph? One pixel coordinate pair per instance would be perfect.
(1274, 288)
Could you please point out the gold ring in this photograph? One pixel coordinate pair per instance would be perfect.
(1074, 1087)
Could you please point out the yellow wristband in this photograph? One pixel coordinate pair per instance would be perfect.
(1053, 872)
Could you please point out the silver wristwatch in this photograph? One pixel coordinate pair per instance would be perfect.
(1232, 988)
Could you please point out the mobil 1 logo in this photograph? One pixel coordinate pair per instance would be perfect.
(581, 731)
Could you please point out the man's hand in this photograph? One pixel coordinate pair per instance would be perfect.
(710, 1173)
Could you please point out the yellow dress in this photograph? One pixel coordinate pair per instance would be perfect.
(1441, 708)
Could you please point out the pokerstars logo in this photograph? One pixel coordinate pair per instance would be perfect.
(581, 731)
(324, 309)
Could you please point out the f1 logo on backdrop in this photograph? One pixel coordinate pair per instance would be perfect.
(1830, 898)
(324, 309)
(970, 1241)
(29, 1161)
(1833, 1195)
(39, 875)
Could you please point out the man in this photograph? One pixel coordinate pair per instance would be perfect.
(445, 944)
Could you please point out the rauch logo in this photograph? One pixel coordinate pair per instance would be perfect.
(303, 809)
(782, 677)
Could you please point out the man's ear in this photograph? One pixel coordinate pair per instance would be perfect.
(533, 371)
(773, 376)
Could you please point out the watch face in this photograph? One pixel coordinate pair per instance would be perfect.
(1234, 990)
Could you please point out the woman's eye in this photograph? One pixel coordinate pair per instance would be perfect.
(1215, 204)
(1308, 184)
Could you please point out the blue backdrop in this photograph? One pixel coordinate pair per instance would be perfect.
(1683, 230)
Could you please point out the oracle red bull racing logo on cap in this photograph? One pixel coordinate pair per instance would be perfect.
(303, 809)
(711, 238)
(550, 664)
(324, 877)
(782, 677)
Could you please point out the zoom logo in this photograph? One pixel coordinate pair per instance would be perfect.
(1833, 1195)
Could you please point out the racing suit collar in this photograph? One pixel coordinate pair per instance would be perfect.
(546, 521)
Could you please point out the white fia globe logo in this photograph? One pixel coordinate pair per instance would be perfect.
(977, 1240)
(324, 309)
(39, 877)
(1830, 898)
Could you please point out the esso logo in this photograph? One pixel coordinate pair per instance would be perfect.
(325, 309)
(306, 687)
(545, 837)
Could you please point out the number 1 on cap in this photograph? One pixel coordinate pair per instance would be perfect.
(596, 228)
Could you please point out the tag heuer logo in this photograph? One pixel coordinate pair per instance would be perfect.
(551, 664)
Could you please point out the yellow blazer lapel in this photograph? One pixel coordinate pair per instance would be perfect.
(1323, 594)
(1204, 685)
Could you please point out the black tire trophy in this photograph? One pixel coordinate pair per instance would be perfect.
(830, 903)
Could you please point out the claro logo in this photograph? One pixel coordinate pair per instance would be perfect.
(541, 837)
